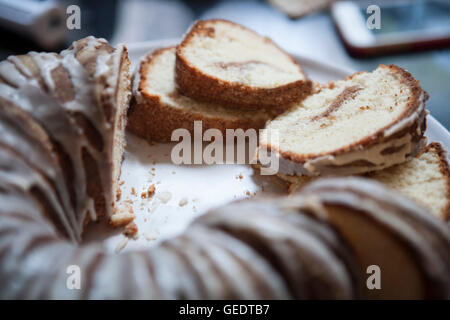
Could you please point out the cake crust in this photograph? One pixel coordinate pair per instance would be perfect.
(155, 120)
(381, 139)
(443, 165)
(395, 178)
(203, 86)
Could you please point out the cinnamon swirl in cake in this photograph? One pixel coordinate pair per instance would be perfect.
(367, 122)
(223, 62)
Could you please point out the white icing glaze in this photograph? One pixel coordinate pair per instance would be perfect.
(57, 118)
(424, 234)
(46, 62)
(15, 172)
(10, 74)
(19, 65)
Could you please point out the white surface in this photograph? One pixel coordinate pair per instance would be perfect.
(204, 187)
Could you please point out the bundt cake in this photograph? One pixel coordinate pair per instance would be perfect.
(367, 122)
(64, 115)
(410, 247)
(309, 255)
(425, 179)
(158, 108)
(223, 62)
(62, 122)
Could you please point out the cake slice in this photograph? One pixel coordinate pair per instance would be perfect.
(425, 179)
(158, 108)
(367, 122)
(220, 61)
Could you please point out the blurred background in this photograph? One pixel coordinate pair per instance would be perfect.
(414, 34)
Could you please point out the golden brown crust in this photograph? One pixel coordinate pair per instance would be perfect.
(198, 85)
(153, 120)
(444, 167)
(377, 137)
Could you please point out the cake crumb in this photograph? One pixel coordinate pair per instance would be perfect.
(149, 192)
(133, 191)
(248, 193)
(121, 183)
(239, 176)
(183, 202)
(122, 216)
(121, 245)
(164, 196)
(118, 194)
(130, 230)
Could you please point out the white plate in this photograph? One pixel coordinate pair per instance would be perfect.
(202, 186)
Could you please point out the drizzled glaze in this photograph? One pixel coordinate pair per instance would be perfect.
(37, 94)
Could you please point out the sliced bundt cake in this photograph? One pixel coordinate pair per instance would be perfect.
(158, 108)
(324, 267)
(366, 122)
(71, 109)
(403, 252)
(220, 61)
(62, 118)
(425, 179)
